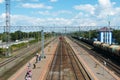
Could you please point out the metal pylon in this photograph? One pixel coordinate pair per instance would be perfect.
(7, 28)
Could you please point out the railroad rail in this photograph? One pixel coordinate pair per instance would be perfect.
(66, 65)
(112, 66)
(22, 54)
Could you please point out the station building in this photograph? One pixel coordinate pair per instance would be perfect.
(105, 35)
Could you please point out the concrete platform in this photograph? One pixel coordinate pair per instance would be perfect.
(96, 72)
(41, 67)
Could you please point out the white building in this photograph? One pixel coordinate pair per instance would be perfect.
(105, 35)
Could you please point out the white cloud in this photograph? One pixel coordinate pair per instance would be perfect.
(55, 13)
(105, 3)
(44, 12)
(98, 14)
(2, 19)
(64, 12)
(17, 0)
(40, 5)
(35, 0)
(1, 1)
(105, 8)
(24, 20)
(53, 0)
(26, 0)
(34, 21)
(89, 15)
(84, 20)
(86, 7)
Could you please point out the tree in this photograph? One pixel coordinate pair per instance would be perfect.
(116, 35)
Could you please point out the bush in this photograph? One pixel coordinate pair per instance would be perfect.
(2, 51)
(17, 46)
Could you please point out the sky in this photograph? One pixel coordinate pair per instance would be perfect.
(62, 12)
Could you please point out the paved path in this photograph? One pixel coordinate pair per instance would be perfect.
(41, 67)
(98, 72)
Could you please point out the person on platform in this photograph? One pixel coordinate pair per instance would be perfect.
(34, 66)
(28, 78)
(37, 57)
(29, 65)
(28, 75)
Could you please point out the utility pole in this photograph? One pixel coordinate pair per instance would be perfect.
(79, 32)
(65, 31)
(28, 39)
(42, 44)
(38, 36)
(54, 29)
(7, 27)
(20, 32)
(109, 39)
(89, 32)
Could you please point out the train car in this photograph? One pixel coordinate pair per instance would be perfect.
(90, 42)
(105, 46)
(118, 51)
(97, 44)
(110, 50)
(114, 49)
(86, 40)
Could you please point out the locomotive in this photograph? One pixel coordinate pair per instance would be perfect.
(60, 38)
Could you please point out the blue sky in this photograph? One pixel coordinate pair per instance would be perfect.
(62, 12)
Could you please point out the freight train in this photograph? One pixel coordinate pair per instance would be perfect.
(110, 50)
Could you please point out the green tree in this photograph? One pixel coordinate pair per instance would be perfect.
(116, 35)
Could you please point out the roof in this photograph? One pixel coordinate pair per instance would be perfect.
(105, 29)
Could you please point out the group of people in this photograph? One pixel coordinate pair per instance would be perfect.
(28, 75)
(38, 58)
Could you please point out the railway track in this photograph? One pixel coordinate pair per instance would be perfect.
(112, 66)
(21, 54)
(66, 65)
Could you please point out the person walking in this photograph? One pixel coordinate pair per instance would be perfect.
(34, 66)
